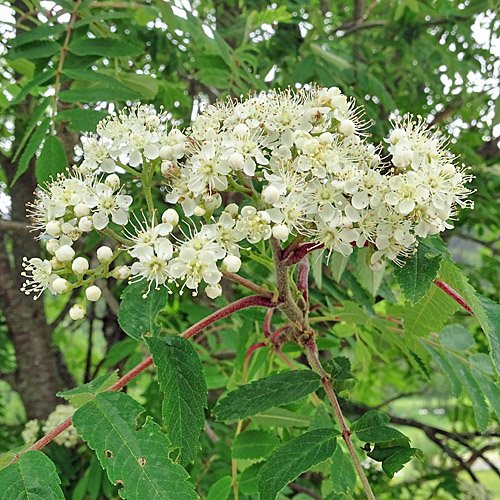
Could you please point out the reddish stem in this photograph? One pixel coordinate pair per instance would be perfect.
(248, 284)
(278, 332)
(300, 252)
(253, 300)
(267, 322)
(303, 279)
(453, 294)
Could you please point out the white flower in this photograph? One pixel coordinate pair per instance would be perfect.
(68, 437)
(255, 225)
(39, 276)
(104, 203)
(104, 254)
(80, 265)
(232, 263)
(77, 312)
(65, 253)
(60, 285)
(93, 293)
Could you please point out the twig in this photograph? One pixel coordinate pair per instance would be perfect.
(248, 284)
(453, 294)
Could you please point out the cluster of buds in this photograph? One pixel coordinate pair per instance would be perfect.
(298, 164)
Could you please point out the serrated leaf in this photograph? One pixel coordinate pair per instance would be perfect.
(491, 326)
(342, 472)
(481, 412)
(137, 460)
(103, 47)
(146, 85)
(417, 275)
(39, 79)
(220, 489)
(429, 313)
(32, 477)
(329, 57)
(137, 315)
(265, 393)
(456, 338)
(394, 458)
(254, 444)
(36, 34)
(82, 120)
(98, 94)
(31, 148)
(294, 458)
(180, 376)
(281, 417)
(35, 117)
(490, 389)
(444, 364)
(372, 428)
(248, 481)
(78, 396)
(357, 290)
(34, 50)
(52, 160)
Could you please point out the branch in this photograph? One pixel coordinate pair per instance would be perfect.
(453, 294)
(248, 284)
(13, 225)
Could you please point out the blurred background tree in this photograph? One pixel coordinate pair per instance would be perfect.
(66, 64)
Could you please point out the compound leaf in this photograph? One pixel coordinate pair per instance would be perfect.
(254, 444)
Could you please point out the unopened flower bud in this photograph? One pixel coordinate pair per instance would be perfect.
(121, 272)
(347, 127)
(280, 232)
(53, 228)
(77, 312)
(52, 246)
(236, 161)
(104, 254)
(65, 253)
(232, 263)
(170, 216)
(80, 265)
(93, 293)
(60, 285)
(81, 210)
(270, 195)
(85, 224)
(113, 181)
(213, 291)
(199, 211)
(55, 264)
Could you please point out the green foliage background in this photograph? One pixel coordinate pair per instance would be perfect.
(435, 58)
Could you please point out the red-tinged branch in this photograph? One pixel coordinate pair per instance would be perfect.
(303, 279)
(267, 322)
(253, 300)
(313, 358)
(453, 294)
(289, 259)
(248, 284)
(248, 355)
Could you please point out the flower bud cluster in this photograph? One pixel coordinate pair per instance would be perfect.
(68, 437)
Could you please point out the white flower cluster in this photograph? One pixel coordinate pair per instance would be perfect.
(30, 431)
(68, 437)
(297, 163)
(135, 136)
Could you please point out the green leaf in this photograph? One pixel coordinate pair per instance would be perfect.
(180, 376)
(393, 458)
(78, 396)
(342, 472)
(138, 460)
(35, 118)
(490, 389)
(97, 94)
(281, 417)
(82, 120)
(372, 428)
(220, 489)
(248, 481)
(39, 79)
(146, 85)
(417, 275)
(456, 338)
(213, 77)
(329, 57)
(370, 279)
(481, 412)
(36, 34)
(32, 477)
(52, 160)
(254, 444)
(491, 326)
(444, 364)
(429, 313)
(104, 16)
(103, 47)
(265, 393)
(357, 290)
(87, 75)
(31, 148)
(34, 50)
(293, 458)
(137, 315)
(337, 265)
